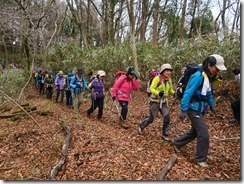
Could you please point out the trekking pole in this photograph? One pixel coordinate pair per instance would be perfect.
(116, 105)
(161, 105)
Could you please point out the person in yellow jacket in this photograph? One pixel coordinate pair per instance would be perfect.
(160, 88)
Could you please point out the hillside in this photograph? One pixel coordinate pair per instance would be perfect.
(102, 150)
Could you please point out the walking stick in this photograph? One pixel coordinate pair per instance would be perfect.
(116, 105)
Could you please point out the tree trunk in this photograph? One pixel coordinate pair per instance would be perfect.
(132, 32)
(143, 20)
(182, 22)
(194, 6)
(223, 19)
(111, 21)
(155, 23)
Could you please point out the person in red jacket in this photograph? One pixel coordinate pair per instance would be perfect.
(121, 91)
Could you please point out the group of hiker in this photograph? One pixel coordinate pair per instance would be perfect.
(197, 98)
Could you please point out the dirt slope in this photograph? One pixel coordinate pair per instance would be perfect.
(102, 150)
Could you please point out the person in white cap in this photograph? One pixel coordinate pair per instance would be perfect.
(59, 86)
(160, 88)
(97, 95)
(199, 92)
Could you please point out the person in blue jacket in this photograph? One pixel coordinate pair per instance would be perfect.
(198, 93)
(78, 85)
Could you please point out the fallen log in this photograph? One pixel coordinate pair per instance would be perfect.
(169, 165)
(21, 113)
(65, 147)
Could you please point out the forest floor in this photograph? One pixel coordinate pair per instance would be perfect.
(102, 150)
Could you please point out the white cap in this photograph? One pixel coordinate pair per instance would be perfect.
(219, 62)
(101, 73)
(165, 66)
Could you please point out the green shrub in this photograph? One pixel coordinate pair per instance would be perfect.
(12, 81)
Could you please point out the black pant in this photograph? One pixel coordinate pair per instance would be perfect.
(124, 110)
(41, 88)
(58, 91)
(236, 109)
(198, 130)
(49, 92)
(69, 100)
(98, 102)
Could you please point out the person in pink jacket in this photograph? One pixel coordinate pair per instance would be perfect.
(121, 91)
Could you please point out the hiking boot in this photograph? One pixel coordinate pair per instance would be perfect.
(140, 130)
(123, 125)
(204, 164)
(165, 138)
(177, 149)
(233, 120)
(165, 129)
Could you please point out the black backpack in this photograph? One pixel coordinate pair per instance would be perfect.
(191, 68)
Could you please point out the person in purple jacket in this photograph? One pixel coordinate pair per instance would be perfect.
(121, 91)
(97, 95)
(59, 86)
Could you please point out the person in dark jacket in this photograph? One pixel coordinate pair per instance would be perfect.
(49, 81)
(199, 92)
(97, 94)
(235, 104)
(69, 100)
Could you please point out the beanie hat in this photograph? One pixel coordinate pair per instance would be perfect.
(80, 71)
(131, 70)
(70, 74)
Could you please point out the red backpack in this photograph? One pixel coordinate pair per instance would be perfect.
(152, 75)
(118, 74)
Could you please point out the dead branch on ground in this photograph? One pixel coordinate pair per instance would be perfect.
(65, 147)
(169, 165)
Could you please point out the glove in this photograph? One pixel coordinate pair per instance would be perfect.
(220, 77)
(182, 115)
(114, 98)
(73, 86)
(212, 109)
(135, 76)
(236, 71)
(161, 94)
(57, 86)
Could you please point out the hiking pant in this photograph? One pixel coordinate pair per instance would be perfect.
(153, 112)
(77, 100)
(198, 130)
(98, 102)
(236, 109)
(49, 92)
(124, 110)
(58, 91)
(41, 88)
(69, 100)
